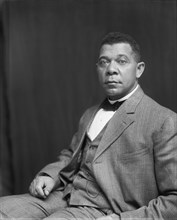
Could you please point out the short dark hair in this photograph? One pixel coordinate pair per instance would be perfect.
(117, 37)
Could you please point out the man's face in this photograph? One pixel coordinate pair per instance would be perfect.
(118, 70)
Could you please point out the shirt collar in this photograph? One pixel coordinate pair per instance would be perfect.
(125, 97)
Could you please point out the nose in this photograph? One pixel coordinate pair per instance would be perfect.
(112, 68)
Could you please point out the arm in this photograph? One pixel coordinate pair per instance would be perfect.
(165, 158)
(47, 179)
(53, 169)
(164, 207)
(65, 155)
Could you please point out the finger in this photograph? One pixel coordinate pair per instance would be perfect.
(46, 192)
(31, 189)
(49, 186)
(34, 193)
(39, 191)
(36, 188)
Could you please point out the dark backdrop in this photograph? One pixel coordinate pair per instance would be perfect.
(51, 48)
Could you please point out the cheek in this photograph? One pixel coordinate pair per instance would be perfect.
(129, 77)
(101, 76)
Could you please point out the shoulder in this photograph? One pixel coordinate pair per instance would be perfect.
(156, 110)
(89, 112)
(156, 106)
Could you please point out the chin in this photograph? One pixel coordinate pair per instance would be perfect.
(113, 95)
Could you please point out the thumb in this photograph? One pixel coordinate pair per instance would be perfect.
(48, 188)
(46, 192)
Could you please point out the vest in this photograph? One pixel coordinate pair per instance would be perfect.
(84, 191)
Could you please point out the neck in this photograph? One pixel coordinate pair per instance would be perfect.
(126, 96)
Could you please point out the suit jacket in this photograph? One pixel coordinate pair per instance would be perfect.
(136, 161)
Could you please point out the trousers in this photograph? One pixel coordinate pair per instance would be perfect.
(27, 207)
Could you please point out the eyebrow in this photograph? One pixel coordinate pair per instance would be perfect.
(119, 56)
(103, 57)
(122, 55)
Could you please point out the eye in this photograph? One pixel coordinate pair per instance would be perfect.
(103, 63)
(122, 62)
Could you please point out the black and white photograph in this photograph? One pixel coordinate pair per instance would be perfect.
(88, 109)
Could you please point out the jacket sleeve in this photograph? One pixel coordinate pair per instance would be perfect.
(165, 158)
(64, 158)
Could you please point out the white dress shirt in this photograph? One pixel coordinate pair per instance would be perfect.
(103, 116)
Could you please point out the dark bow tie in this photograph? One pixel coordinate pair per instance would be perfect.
(106, 105)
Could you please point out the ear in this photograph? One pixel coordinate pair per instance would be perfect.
(140, 69)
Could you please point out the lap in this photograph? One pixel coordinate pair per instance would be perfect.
(76, 213)
(27, 206)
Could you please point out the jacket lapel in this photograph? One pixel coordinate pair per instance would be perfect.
(121, 120)
(86, 123)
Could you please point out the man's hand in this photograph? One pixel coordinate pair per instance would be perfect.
(41, 186)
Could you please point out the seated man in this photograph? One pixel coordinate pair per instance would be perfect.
(122, 162)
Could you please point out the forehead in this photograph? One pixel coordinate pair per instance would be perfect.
(114, 50)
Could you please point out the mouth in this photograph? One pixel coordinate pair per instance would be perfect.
(111, 83)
